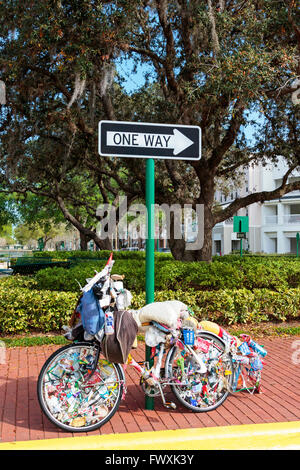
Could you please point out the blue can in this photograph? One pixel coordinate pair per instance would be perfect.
(257, 348)
(189, 336)
(256, 364)
(244, 348)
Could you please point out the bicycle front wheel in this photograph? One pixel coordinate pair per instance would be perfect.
(73, 399)
(197, 390)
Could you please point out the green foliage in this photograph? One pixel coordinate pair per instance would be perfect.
(78, 255)
(230, 273)
(17, 281)
(290, 331)
(8, 216)
(67, 279)
(61, 279)
(208, 64)
(249, 273)
(23, 309)
(230, 306)
(252, 290)
(203, 276)
(45, 229)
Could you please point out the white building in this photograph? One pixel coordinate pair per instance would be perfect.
(273, 225)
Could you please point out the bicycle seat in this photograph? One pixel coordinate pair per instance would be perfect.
(117, 277)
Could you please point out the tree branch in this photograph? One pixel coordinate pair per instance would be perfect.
(229, 169)
(229, 137)
(162, 7)
(83, 127)
(261, 196)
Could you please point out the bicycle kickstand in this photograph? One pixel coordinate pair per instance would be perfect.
(169, 405)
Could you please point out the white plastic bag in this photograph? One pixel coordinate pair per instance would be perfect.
(153, 337)
(123, 299)
(118, 285)
(167, 312)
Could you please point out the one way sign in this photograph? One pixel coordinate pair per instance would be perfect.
(147, 140)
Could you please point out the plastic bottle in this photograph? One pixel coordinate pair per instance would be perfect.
(244, 348)
(109, 323)
(257, 348)
(253, 345)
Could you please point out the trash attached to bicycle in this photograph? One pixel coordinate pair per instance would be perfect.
(199, 360)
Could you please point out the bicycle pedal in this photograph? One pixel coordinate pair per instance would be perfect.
(170, 405)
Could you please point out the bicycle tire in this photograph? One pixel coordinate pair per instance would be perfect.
(186, 395)
(88, 419)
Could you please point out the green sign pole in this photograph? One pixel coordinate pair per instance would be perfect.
(297, 241)
(240, 229)
(150, 246)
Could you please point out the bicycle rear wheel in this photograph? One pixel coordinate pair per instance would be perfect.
(71, 397)
(201, 392)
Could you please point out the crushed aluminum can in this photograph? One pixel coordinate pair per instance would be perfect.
(202, 345)
(197, 388)
(256, 364)
(244, 349)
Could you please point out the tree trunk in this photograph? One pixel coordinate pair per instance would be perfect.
(105, 244)
(83, 241)
(178, 247)
(205, 253)
(207, 183)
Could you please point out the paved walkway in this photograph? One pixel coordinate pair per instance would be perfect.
(21, 418)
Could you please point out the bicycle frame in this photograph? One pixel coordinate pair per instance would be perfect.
(169, 355)
(153, 377)
(242, 371)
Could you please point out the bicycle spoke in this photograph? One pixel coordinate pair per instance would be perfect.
(73, 399)
(200, 378)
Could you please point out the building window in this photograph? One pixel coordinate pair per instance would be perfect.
(218, 247)
(235, 245)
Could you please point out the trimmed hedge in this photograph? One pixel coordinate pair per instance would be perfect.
(244, 290)
(23, 309)
(235, 306)
(67, 279)
(101, 254)
(248, 274)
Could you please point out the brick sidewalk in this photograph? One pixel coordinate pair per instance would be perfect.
(21, 418)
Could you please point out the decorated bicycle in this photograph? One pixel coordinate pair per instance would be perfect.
(81, 385)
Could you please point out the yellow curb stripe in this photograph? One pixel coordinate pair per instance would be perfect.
(247, 437)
